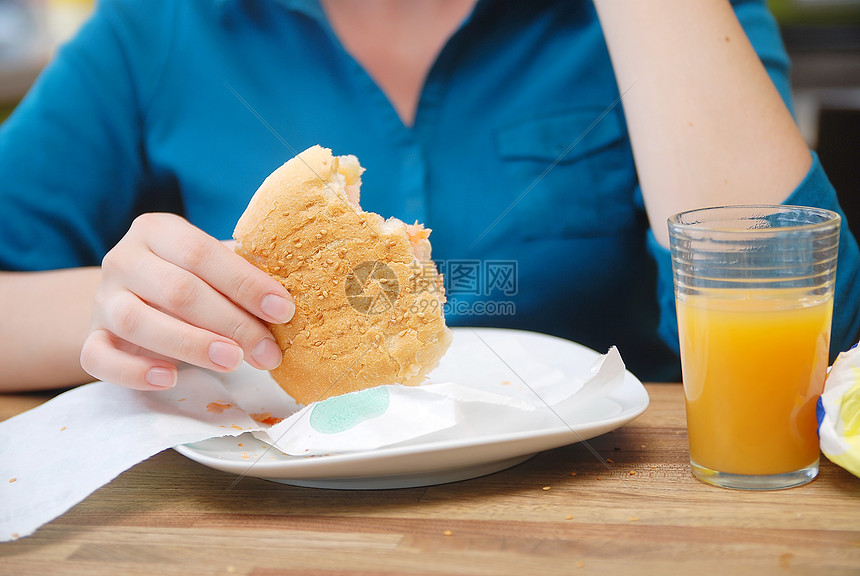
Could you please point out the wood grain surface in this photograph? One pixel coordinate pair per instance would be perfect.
(622, 503)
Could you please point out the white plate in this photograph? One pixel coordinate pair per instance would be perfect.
(442, 461)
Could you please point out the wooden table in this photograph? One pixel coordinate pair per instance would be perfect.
(562, 512)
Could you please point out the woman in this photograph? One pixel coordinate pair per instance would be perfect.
(510, 128)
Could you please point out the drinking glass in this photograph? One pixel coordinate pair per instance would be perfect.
(754, 297)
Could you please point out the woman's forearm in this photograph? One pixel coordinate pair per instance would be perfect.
(46, 317)
(706, 123)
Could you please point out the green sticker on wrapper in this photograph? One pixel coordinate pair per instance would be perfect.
(342, 413)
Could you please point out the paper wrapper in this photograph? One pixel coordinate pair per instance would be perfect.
(839, 412)
(55, 455)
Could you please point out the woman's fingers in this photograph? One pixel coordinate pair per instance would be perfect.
(183, 295)
(193, 250)
(104, 357)
(171, 293)
(132, 320)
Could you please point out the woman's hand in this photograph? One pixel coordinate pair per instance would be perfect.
(170, 293)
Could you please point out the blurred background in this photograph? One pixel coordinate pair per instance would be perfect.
(822, 38)
(30, 30)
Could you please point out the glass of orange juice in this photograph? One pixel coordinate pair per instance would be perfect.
(754, 297)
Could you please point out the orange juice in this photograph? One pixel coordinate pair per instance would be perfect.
(753, 366)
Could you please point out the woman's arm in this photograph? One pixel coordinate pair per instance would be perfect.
(166, 293)
(46, 318)
(706, 123)
(709, 126)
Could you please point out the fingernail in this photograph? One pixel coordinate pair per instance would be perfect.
(225, 355)
(267, 354)
(277, 307)
(161, 377)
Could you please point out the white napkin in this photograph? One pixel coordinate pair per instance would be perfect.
(55, 455)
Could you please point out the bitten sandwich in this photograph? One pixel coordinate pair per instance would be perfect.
(369, 301)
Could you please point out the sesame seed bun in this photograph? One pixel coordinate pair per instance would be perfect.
(369, 301)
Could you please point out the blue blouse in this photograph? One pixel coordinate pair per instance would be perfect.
(518, 159)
